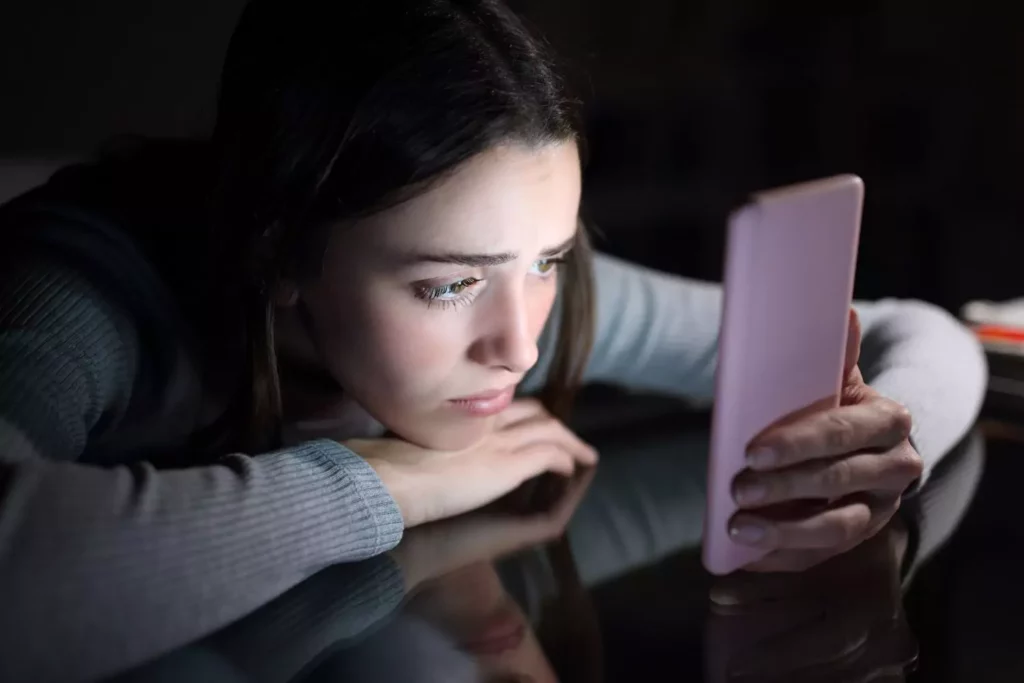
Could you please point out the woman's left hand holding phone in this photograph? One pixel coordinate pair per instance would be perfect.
(857, 459)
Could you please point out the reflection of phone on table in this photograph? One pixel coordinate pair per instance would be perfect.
(788, 285)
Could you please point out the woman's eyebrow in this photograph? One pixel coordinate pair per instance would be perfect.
(484, 260)
(559, 249)
(470, 260)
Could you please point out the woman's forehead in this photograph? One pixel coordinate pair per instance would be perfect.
(509, 198)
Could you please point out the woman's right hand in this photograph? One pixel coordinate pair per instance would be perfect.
(429, 485)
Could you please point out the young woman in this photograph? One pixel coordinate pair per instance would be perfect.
(379, 245)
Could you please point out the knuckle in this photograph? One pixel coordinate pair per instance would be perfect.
(836, 478)
(548, 457)
(568, 463)
(891, 506)
(786, 446)
(900, 420)
(841, 433)
(779, 488)
(851, 524)
(843, 532)
(550, 419)
(909, 463)
(567, 437)
(549, 428)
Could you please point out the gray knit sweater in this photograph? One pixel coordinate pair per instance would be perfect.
(98, 545)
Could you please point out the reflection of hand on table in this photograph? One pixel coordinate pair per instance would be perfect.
(433, 550)
(461, 624)
(841, 621)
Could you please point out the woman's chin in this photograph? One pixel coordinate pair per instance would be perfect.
(449, 435)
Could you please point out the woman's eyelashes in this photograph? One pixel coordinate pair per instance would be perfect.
(546, 267)
(464, 290)
(452, 294)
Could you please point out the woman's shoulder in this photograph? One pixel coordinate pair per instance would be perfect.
(131, 222)
(151, 195)
(88, 278)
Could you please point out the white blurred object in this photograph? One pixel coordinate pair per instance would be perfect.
(994, 313)
(999, 326)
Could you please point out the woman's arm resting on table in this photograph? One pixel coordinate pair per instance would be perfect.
(659, 332)
(101, 569)
(920, 356)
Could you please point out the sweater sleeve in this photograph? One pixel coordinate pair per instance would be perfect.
(659, 332)
(113, 566)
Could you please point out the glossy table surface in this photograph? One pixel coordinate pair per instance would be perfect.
(599, 579)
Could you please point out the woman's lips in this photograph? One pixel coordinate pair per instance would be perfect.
(487, 403)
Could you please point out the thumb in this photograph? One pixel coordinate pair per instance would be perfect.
(852, 345)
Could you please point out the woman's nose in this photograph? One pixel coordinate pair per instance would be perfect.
(509, 341)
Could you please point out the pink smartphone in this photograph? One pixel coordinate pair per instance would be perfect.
(789, 270)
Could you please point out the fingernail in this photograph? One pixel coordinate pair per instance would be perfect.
(762, 457)
(751, 494)
(747, 533)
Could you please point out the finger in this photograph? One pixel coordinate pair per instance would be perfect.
(829, 479)
(529, 433)
(838, 527)
(539, 458)
(877, 424)
(852, 354)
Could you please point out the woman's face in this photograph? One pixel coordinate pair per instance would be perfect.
(428, 314)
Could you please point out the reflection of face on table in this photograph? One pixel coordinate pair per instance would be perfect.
(472, 607)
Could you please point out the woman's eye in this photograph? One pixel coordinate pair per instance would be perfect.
(546, 266)
(454, 292)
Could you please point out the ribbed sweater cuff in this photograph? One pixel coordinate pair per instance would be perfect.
(376, 501)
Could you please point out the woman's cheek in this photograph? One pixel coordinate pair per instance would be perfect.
(419, 341)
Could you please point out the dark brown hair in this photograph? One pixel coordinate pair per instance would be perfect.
(330, 111)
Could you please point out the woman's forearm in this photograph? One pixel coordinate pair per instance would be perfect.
(919, 355)
(123, 564)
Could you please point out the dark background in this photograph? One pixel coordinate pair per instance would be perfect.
(690, 105)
